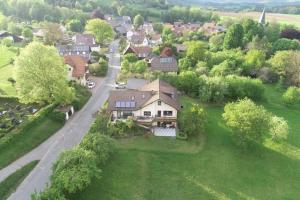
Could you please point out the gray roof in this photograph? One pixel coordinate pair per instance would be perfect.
(164, 64)
(132, 100)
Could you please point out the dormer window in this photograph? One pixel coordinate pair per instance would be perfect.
(159, 102)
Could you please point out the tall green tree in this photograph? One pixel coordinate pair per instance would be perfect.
(234, 37)
(248, 121)
(192, 120)
(138, 21)
(196, 51)
(102, 31)
(42, 76)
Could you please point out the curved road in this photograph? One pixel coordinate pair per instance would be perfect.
(67, 137)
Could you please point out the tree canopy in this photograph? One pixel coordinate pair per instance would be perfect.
(102, 31)
(41, 76)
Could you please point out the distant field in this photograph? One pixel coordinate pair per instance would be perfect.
(270, 17)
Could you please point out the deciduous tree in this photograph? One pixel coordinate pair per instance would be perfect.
(102, 31)
(41, 76)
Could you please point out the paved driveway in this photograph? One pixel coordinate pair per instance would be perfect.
(70, 135)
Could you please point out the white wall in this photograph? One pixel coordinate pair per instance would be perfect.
(153, 107)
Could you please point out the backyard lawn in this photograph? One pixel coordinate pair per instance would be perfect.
(10, 184)
(207, 167)
(7, 70)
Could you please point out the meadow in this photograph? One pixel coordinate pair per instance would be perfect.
(270, 17)
(7, 70)
(210, 166)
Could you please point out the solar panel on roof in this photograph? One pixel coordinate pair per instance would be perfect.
(123, 104)
(118, 104)
(132, 104)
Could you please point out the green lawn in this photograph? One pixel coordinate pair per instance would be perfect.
(209, 167)
(10, 184)
(28, 140)
(7, 71)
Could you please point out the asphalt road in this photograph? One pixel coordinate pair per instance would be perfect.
(66, 138)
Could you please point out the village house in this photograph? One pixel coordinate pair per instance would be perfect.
(77, 69)
(154, 105)
(212, 28)
(80, 50)
(137, 38)
(15, 38)
(155, 39)
(179, 28)
(166, 62)
(180, 48)
(140, 51)
(86, 39)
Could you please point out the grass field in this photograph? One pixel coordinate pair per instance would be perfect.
(209, 167)
(270, 17)
(28, 140)
(10, 184)
(7, 71)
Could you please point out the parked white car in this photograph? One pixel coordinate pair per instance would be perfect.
(120, 86)
(90, 84)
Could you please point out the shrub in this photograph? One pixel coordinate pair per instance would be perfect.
(213, 90)
(57, 116)
(241, 87)
(7, 42)
(192, 120)
(74, 170)
(99, 69)
(291, 96)
(102, 145)
(82, 95)
(248, 121)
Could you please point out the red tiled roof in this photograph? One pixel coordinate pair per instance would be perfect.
(78, 64)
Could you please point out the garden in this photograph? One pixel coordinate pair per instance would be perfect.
(207, 166)
(13, 113)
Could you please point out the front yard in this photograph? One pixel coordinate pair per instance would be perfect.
(208, 167)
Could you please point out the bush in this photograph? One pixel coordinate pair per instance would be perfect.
(241, 87)
(213, 90)
(192, 120)
(7, 42)
(291, 96)
(82, 95)
(102, 145)
(74, 170)
(57, 116)
(99, 69)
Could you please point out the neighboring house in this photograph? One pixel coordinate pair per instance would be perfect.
(180, 48)
(155, 39)
(140, 51)
(77, 68)
(180, 28)
(88, 40)
(137, 38)
(166, 62)
(155, 105)
(15, 38)
(80, 50)
(212, 28)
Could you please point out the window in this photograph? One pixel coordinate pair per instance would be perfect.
(168, 113)
(147, 113)
(159, 102)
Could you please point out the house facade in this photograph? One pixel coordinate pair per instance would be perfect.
(87, 40)
(76, 69)
(154, 105)
(83, 51)
(140, 51)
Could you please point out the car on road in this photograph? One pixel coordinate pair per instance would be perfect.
(90, 84)
(120, 85)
